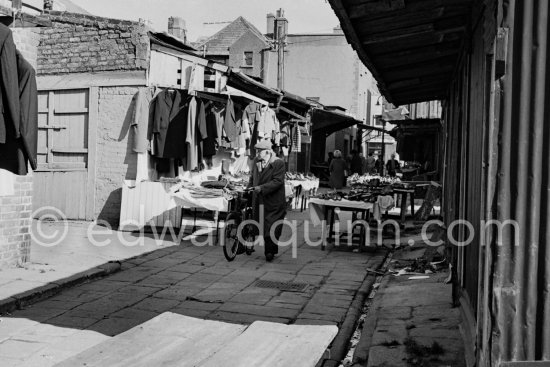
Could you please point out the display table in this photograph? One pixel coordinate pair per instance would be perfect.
(322, 211)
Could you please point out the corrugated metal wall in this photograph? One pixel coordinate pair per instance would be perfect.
(497, 166)
(521, 283)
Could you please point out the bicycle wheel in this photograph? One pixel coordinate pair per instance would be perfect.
(230, 239)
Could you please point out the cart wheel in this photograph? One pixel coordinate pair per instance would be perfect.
(230, 238)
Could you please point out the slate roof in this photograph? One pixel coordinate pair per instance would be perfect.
(220, 42)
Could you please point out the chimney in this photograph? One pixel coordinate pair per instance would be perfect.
(337, 30)
(176, 27)
(270, 24)
(48, 5)
(281, 25)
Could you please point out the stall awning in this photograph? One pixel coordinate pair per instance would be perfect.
(328, 122)
(238, 80)
(411, 47)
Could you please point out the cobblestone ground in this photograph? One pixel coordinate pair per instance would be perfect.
(189, 280)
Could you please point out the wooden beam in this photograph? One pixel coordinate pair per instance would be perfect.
(398, 34)
(291, 113)
(376, 7)
(411, 7)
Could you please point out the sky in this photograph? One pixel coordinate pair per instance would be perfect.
(304, 16)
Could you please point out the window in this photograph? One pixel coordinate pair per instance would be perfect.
(247, 58)
(378, 120)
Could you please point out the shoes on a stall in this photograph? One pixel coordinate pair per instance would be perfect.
(269, 257)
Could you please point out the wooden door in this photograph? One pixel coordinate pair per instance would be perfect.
(64, 178)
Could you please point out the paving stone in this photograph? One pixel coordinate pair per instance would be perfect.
(252, 298)
(162, 262)
(202, 314)
(135, 274)
(102, 285)
(327, 317)
(38, 314)
(158, 305)
(178, 292)
(73, 322)
(321, 309)
(56, 303)
(258, 310)
(426, 331)
(331, 301)
(13, 325)
(134, 313)
(158, 280)
(80, 296)
(114, 326)
(186, 268)
(217, 270)
(302, 321)
(195, 305)
(241, 318)
(389, 334)
(280, 304)
(309, 279)
(278, 277)
(383, 356)
(140, 289)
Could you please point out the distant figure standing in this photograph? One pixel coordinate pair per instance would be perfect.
(393, 166)
(370, 162)
(356, 165)
(330, 157)
(363, 163)
(337, 169)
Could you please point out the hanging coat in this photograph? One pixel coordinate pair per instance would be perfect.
(272, 182)
(16, 152)
(9, 87)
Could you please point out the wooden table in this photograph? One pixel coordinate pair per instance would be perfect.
(403, 199)
(322, 210)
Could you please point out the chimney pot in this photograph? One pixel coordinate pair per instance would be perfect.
(270, 24)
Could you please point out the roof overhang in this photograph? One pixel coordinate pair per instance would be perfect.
(328, 122)
(416, 127)
(411, 47)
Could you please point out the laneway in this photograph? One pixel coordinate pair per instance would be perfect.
(193, 281)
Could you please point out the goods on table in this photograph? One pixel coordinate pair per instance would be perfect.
(371, 180)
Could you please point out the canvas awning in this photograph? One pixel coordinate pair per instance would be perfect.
(238, 80)
(328, 122)
(411, 47)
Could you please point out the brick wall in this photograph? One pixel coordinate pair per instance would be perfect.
(27, 40)
(79, 43)
(115, 160)
(15, 221)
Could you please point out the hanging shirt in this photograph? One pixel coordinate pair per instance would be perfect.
(267, 123)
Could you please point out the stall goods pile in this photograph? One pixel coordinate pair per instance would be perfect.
(371, 180)
(300, 176)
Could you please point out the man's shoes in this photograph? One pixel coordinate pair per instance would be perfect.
(269, 257)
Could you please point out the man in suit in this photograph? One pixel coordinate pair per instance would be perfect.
(268, 183)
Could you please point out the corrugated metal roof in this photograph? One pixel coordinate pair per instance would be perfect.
(220, 42)
(411, 47)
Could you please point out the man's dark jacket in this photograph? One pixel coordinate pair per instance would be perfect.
(271, 180)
